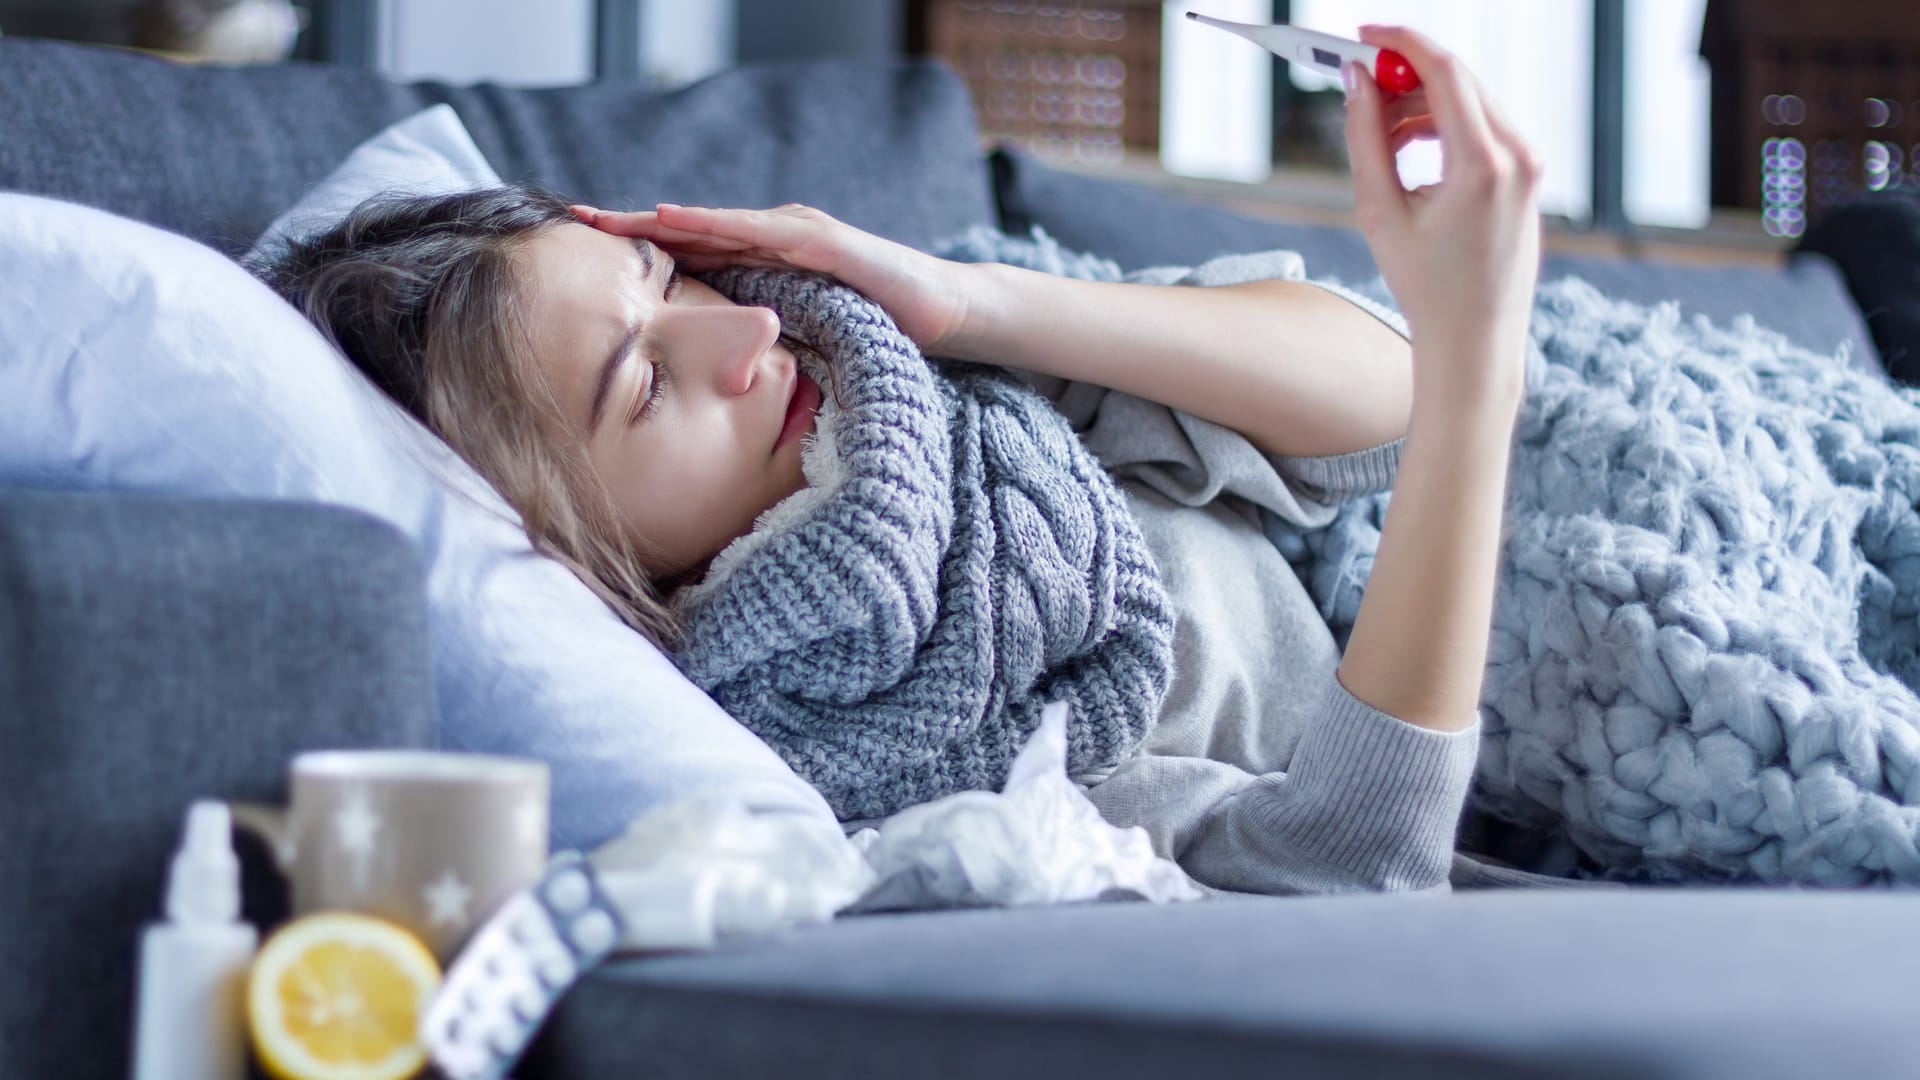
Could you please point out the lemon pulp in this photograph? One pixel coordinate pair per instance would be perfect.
(338, 996)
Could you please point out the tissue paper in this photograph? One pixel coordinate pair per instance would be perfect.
(693, 872)
(687, 874)
(1039, 841)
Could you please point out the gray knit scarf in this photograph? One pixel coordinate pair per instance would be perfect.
(957, 560)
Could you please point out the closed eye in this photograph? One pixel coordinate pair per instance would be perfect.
(662, 377)
(656, 389)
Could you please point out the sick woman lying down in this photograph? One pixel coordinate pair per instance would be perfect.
(884, 506)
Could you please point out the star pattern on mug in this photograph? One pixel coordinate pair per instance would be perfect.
(355, 824)
(447, 900)
(530, 820)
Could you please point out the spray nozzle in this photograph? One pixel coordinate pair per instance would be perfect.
(204, 884)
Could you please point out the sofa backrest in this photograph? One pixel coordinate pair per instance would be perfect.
(215, 152)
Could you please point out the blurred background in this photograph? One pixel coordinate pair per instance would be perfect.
(1707, 128)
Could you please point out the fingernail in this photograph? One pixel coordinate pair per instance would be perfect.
(1350, 79)
(666, 206)
(582, 210)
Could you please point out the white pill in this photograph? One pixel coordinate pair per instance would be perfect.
(529, 1003)
(507, 1040)
(592, 932)
(529, 927)
(569, 892)
(556, 968)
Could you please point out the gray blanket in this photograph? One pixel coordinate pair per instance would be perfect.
(1705, 642)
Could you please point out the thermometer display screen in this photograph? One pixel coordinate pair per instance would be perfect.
(1322, 56)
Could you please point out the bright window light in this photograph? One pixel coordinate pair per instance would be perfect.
(1216, 93)
(1668, 95)
(1533, 57)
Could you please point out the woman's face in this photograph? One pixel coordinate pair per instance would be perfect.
(700, 407)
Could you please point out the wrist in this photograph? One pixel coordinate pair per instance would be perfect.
(976, 289)
(1475, 378)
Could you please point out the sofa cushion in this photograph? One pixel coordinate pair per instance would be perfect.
(1680, 984)
(217, 152)
(1806, 300)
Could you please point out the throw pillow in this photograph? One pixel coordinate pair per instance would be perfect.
(1875, 240)
(133, 358)
(428, 153)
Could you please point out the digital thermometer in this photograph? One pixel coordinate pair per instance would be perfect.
(1324, 52)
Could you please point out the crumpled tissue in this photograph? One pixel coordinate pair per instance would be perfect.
(693, 872)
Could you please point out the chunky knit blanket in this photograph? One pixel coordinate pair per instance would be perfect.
(1707, 634)
(1705, 644)
(957, 560)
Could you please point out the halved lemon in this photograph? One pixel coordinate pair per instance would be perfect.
(339, 996)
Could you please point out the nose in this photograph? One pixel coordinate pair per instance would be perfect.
(724, 340)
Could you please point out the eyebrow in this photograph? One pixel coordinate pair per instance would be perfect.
(597, 409)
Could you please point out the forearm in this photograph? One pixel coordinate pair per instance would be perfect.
(1418, 649)
(1298, 370)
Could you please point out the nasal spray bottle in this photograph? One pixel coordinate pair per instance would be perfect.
(193, 966)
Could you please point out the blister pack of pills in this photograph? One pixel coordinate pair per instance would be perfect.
(513, 970)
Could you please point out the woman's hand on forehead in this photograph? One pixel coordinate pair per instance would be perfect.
(925, 295)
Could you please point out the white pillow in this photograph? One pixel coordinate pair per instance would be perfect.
(134, 358)
(428, 153)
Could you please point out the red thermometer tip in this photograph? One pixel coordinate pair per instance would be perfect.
(1392, 73)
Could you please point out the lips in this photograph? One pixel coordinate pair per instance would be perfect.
(800, 409)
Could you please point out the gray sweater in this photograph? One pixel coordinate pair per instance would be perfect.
(1264, 774)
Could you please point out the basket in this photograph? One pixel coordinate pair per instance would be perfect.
(1813, 103)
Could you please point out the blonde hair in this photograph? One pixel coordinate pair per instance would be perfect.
(419, 292)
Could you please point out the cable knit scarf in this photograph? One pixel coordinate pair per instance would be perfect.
(1707, 635)
(957, 560)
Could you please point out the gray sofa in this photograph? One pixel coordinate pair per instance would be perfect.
(155, 649)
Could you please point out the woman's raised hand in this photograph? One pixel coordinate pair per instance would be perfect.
(1461, 256)
(925, 295)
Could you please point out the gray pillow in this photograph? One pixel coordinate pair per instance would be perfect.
(217, 152)
(1136, 226)
(1875, 240)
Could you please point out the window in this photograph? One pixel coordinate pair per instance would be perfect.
(1535, 58)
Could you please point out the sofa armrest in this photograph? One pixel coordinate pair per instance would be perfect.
(155, 650)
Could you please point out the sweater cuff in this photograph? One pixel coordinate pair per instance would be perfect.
(1335, 478)
(1372, 798)
(1339, 477)
(1394, 320)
